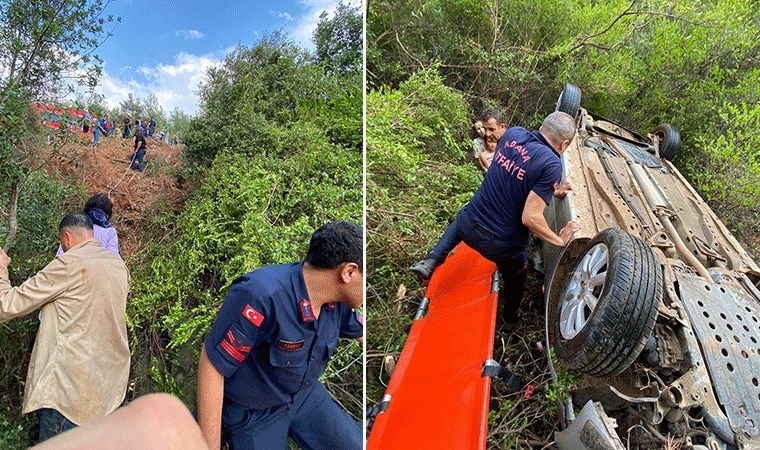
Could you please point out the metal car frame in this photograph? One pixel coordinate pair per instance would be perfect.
(693, 384)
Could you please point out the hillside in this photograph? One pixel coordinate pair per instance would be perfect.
(105, 169)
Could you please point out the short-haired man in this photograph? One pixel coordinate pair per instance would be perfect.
(277, 328)
(525, 172)
(79, 367)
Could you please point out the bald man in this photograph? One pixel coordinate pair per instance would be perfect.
(524, 175)
(80, 362)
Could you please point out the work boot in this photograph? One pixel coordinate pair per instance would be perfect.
(424, 268)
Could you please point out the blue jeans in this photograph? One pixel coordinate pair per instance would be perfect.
(96, 137)
(138, 160)
(52, 423)
(314, 420)
(512, 267)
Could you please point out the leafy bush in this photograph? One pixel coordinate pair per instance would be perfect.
(248, 212)
(638, 63)
(42, 203)
(730, 156)
(417, 180)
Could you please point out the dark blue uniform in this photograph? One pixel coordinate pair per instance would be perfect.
(492, 222)
(272, 351)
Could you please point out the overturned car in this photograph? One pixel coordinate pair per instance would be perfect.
(654, 302)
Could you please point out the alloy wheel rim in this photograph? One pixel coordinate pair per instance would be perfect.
(581, 296)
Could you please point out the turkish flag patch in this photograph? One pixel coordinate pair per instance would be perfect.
(234, 344)
(253, 316)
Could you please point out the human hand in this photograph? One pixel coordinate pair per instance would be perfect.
(4, 259)
(561, 192)
(567, 232)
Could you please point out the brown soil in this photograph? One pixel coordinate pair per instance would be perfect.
(105, 169)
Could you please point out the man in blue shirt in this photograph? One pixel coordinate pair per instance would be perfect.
(525, 172)
(276, 330)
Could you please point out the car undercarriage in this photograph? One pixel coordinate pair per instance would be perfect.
(654, 302)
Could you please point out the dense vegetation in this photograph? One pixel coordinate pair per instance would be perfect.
(270, 172)
(416, 151)
(433, 64)
(276, 152)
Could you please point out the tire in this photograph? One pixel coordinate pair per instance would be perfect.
(569, 100)
(670, 140)
(623, 275)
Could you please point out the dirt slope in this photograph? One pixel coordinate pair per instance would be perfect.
(105, 169)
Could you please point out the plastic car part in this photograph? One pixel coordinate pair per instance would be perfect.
(569, 100)
(607, 309)
(591, 430)
(437, 396)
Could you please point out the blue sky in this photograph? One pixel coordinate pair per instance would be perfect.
(165, 47)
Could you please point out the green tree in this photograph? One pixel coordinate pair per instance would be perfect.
(276, 152)
(417, 180)
(339, 40)
(44, 46)
(179, 122)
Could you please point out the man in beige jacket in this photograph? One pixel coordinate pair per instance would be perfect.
(80, 362)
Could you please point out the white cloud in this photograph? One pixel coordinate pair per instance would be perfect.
(286, 16)
(190, 34)
(174, 85)
(307, 22)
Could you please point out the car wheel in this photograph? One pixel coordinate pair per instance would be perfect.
(670, 140)
(607, 309)
(569, 100)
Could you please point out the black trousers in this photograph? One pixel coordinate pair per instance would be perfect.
(512, 268)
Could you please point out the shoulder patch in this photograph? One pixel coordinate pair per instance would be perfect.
(233, 344)
(253, 316)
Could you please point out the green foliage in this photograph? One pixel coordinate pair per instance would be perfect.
(251, 212)
(639, 63)
(179, 124)
(42, 40)
(732, 156)
(276, 153)
(566, 381)
(143, 109)
(339, 40)
(417, 145)
(43, 202)
(17, 123)
(257, 92)
(513, 53)
(14, 433)
(248, 212)
(237, 99)
(41, 205)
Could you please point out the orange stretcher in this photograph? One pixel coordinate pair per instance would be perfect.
(437, 397)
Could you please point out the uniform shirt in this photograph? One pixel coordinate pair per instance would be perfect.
(140, 142)
(266, 341)
(524, 161)
(80, 361)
